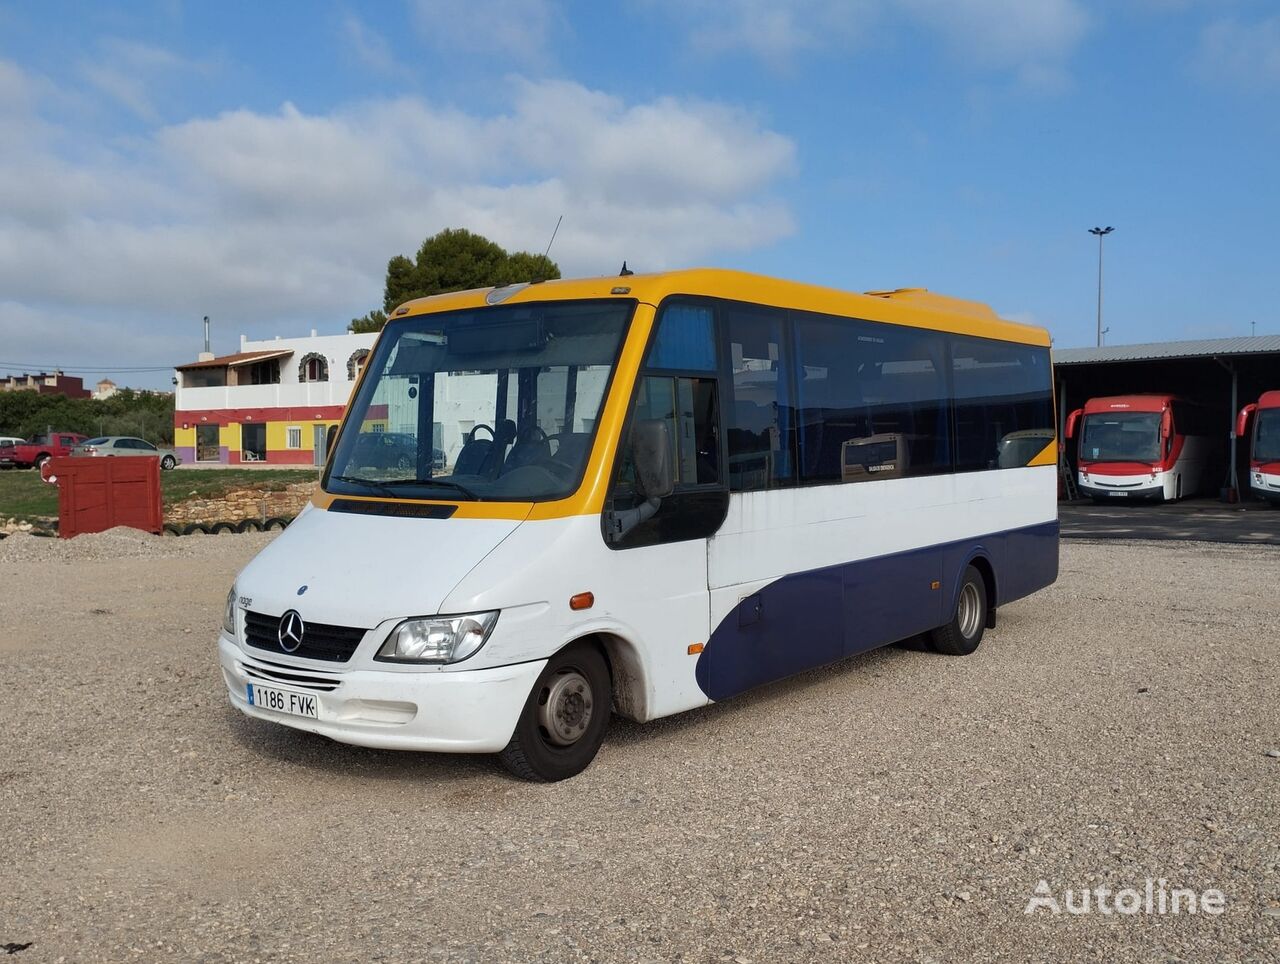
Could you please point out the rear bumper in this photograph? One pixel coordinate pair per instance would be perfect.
(472, 711)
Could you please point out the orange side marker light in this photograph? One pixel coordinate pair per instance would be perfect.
(583, 600)
(695, 649)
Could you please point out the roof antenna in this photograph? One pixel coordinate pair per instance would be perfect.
(553, 236)
(625, 271)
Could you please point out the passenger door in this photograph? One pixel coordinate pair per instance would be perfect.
(663, 555)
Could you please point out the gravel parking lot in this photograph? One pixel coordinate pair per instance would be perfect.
(899, 806)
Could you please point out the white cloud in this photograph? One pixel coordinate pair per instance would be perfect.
(370, 48)
(1247, 54)
(130, 72)
(1033, 38)
(516, 30)
(280, 220)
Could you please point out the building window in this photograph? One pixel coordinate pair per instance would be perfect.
(355, 364)
(314, 367)
(293, 437)
(260, 373)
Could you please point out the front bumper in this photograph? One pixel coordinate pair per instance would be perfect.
(1122, 487)
(1265, 484)
(469, 711)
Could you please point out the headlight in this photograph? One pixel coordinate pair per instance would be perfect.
(229, 614)
(438, 639)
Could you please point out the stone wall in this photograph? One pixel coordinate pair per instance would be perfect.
(238, 504)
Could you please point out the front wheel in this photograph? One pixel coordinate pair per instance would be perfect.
(963, 633)
(564, 719)
(168, 462)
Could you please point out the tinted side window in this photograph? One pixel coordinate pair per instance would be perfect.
(1004, 403)
(872, 400)
(685, 340)
(758, 414)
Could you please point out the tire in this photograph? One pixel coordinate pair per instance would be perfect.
(41, 459)
(169, 529)
(221, 528)
(194, 527)
(548, 745)
(249, 525)
(274, 523)
(168, 462)
(963, 633)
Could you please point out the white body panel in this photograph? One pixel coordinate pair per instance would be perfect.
(651, 603)
(768, 535)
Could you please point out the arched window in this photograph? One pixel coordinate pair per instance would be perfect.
(314, 367)
(355, 364)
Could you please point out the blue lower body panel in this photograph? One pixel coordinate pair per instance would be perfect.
(813, 618)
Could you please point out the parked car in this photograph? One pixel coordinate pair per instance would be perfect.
(391, 450)
(7, 442)
(109, 445)
(39, 450)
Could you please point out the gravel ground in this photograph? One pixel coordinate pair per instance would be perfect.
(899, 806)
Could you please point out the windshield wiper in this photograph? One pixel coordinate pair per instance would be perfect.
(441, 482)
(371, 483)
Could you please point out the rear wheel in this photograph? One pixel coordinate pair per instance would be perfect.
(564, 719)
(963, 633)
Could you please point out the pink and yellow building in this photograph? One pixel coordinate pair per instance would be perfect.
(272, 401)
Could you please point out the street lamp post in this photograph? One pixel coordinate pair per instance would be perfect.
(1101, 233)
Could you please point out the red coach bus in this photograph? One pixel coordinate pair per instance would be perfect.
(1158, 447)
(1264, 446)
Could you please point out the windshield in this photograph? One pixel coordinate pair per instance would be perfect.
(1266, 439)
(1125, 437)
(492, 403)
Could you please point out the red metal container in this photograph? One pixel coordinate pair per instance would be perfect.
(98, 494)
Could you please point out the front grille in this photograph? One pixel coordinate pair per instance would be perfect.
(266, 672)
(319, 640)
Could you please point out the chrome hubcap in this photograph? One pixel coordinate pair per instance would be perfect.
(564, 711)
(969, 611)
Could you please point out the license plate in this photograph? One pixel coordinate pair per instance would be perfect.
(1121, 494)
(282, 701)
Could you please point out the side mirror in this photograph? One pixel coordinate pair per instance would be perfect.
(1242, 421)
(1166, 424)
(651, 449)
(1072, 419)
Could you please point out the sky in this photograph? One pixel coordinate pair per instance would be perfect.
(260, 163)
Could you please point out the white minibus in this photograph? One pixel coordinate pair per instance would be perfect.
(642, 494)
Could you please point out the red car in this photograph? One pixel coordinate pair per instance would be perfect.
(39, 450)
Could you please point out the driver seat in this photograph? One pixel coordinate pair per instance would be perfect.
(527, 451)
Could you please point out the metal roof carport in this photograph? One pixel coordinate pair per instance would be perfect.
(1225, 373)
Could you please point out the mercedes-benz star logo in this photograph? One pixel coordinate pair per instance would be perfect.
(290, 632)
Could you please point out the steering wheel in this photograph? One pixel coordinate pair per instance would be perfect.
(471, 436)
